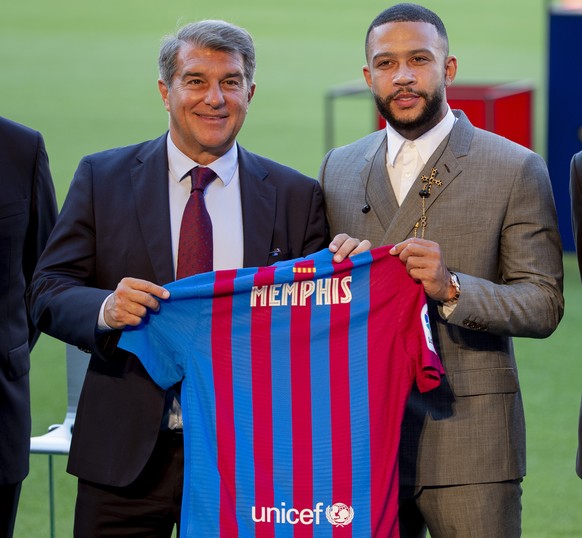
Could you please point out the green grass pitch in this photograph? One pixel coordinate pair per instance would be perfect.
(84, 74)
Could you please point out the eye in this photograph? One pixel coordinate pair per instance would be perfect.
(232, 82)
(384, 64)
(419, 60)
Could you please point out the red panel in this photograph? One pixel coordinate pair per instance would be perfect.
(475, 110)
(504, 109)
(513, 118)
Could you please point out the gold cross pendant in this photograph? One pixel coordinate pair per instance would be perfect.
(427, 183)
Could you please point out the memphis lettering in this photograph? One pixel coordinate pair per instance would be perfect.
(326, 291)
(288, 515)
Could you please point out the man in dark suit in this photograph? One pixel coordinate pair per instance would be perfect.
(28, 211)
(472, 217)
(576, 200)
(116, 244)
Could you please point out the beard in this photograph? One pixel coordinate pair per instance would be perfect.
(428, 116)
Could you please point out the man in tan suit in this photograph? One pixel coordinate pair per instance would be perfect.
(576, 197)
(472, 217)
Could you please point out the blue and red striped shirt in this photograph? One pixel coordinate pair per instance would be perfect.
(294, 384)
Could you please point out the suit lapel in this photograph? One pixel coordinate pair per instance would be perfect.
(377, 187)
(258, 201)
(149, 178)
(445, 161)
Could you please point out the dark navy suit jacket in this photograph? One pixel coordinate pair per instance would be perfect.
(115, 223)
(28, 211)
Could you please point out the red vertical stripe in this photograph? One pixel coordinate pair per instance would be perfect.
(301, 406)
(384, 422)
(223, 386)
(341, 428)
(262, 404)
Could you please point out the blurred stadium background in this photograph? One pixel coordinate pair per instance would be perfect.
(84, 74)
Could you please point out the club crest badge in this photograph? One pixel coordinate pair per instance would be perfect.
(339, 514)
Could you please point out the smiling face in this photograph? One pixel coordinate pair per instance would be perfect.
(208, 101)
(408, 72)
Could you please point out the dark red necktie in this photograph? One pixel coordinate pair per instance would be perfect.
(195, 248)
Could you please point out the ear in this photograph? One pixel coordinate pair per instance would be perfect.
(367, 75)
(251, 93)
(164, 90)
(450, 70)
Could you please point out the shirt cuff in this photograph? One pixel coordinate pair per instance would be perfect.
(101, 325)
(447, 310)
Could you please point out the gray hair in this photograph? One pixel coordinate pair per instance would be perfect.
(210, 34)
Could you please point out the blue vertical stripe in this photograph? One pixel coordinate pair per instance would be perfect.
(243, 406)
(321, 409)
(360, 419)
(200, 428)
(282, 411)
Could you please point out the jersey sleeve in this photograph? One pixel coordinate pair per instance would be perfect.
(154, 343)
(427, 368)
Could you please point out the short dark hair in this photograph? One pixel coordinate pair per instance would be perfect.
(407, 12)
(211, 34)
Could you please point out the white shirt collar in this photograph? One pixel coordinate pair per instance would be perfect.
(425, 144)
(180, 164)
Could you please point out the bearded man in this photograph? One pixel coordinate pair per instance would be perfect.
(472, 217)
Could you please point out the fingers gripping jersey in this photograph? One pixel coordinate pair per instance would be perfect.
(294, 384)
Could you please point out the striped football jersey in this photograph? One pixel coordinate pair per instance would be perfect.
(294, 383)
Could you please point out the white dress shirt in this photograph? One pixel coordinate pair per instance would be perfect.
(222, 198)
(405, 158)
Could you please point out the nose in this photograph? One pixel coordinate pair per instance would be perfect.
(214, 96)
(404, 76)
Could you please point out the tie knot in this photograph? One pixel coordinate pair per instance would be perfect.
(201, 177)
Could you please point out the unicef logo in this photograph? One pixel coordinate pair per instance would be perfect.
(339, 514)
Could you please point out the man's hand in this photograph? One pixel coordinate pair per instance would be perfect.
(130, 302)
(343, 246)
(424, 262)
